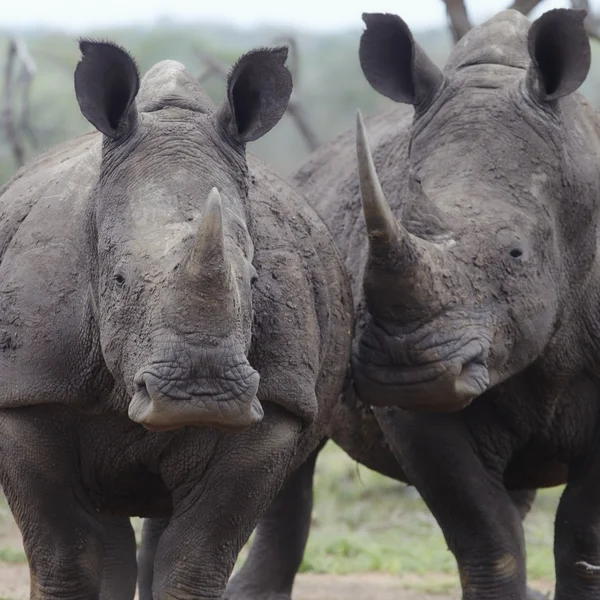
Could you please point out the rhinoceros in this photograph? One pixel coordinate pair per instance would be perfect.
(176, 326)
(475, 275)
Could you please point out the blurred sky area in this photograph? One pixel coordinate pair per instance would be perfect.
(320, 15)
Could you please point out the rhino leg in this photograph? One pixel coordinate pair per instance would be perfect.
(63, 534)
(480, 521)
(214, 516)
(151, 532)
(523, 500)
(119, 569)
(277, 551)
(577, 534)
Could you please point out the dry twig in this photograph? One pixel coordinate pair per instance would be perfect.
(458, 18)
(18, 76)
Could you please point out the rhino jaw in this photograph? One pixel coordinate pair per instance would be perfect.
(159, 411)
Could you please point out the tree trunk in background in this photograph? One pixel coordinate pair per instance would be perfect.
(458, 18)
(525, 6)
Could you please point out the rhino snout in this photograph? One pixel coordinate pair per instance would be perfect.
(387, 373)
(226, 399)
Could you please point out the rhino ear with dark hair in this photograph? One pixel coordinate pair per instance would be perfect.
(106, 84)
(259, 87)
(560, 53)
(393, 63)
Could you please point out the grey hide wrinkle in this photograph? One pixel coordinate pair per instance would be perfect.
(176, 326)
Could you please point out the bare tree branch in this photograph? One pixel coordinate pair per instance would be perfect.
(18, 76)
(8, 120)
(293, 57)
(214, 67)
(525, 6)
(296, 111)
(458, 18)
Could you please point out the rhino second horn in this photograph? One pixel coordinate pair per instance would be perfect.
(208, 259)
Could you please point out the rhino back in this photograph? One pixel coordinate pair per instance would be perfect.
(43, 281)
(32, 182)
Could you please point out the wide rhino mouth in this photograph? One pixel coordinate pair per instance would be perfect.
(419, 372)
(221, 397)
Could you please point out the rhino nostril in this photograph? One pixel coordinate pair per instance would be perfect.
(139, 383)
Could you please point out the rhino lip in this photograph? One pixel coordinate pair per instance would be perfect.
(229, 410)
(439, 387)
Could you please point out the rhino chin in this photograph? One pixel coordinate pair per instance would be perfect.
(161, 413)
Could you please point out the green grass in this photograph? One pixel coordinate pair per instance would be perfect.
(12, 555)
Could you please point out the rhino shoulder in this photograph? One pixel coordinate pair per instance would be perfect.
(41, 178)
(303, 324)
(44, 330)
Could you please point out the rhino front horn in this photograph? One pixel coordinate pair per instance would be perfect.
(382, 227)
(208, 260)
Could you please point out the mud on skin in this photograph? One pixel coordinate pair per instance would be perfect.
(469, 226)
(152, 273)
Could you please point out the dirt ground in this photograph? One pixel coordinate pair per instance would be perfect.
(14, 585)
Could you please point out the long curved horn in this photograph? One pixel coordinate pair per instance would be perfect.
(207, 259)
(402, 270)
(382, 226)
(387, 238)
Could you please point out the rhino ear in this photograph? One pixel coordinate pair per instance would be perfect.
(393, 63)
(560, 53)
(259, 87)
(106, 84)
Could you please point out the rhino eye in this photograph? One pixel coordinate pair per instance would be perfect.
(516, 253)
(119, 279)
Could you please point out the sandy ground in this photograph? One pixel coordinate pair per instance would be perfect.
(14, 585)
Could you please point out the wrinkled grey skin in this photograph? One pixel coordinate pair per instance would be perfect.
(476, 285)
(155, 278)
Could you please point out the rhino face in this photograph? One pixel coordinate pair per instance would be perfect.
(173, 252)
(495, 234)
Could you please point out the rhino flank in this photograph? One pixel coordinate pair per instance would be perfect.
(176, 327)
(474, 267)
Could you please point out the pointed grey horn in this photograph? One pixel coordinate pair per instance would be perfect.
(387, 237)
(382, 227)
(399, 262)
(208, 259)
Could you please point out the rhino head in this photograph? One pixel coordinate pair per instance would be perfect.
(172, 250)
(492, 240)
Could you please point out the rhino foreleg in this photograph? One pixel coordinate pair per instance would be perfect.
(277, 551)
(63, 534)
(214, 516)
(480, 521)
(151, 532)
(119, 569)
(577, 533)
